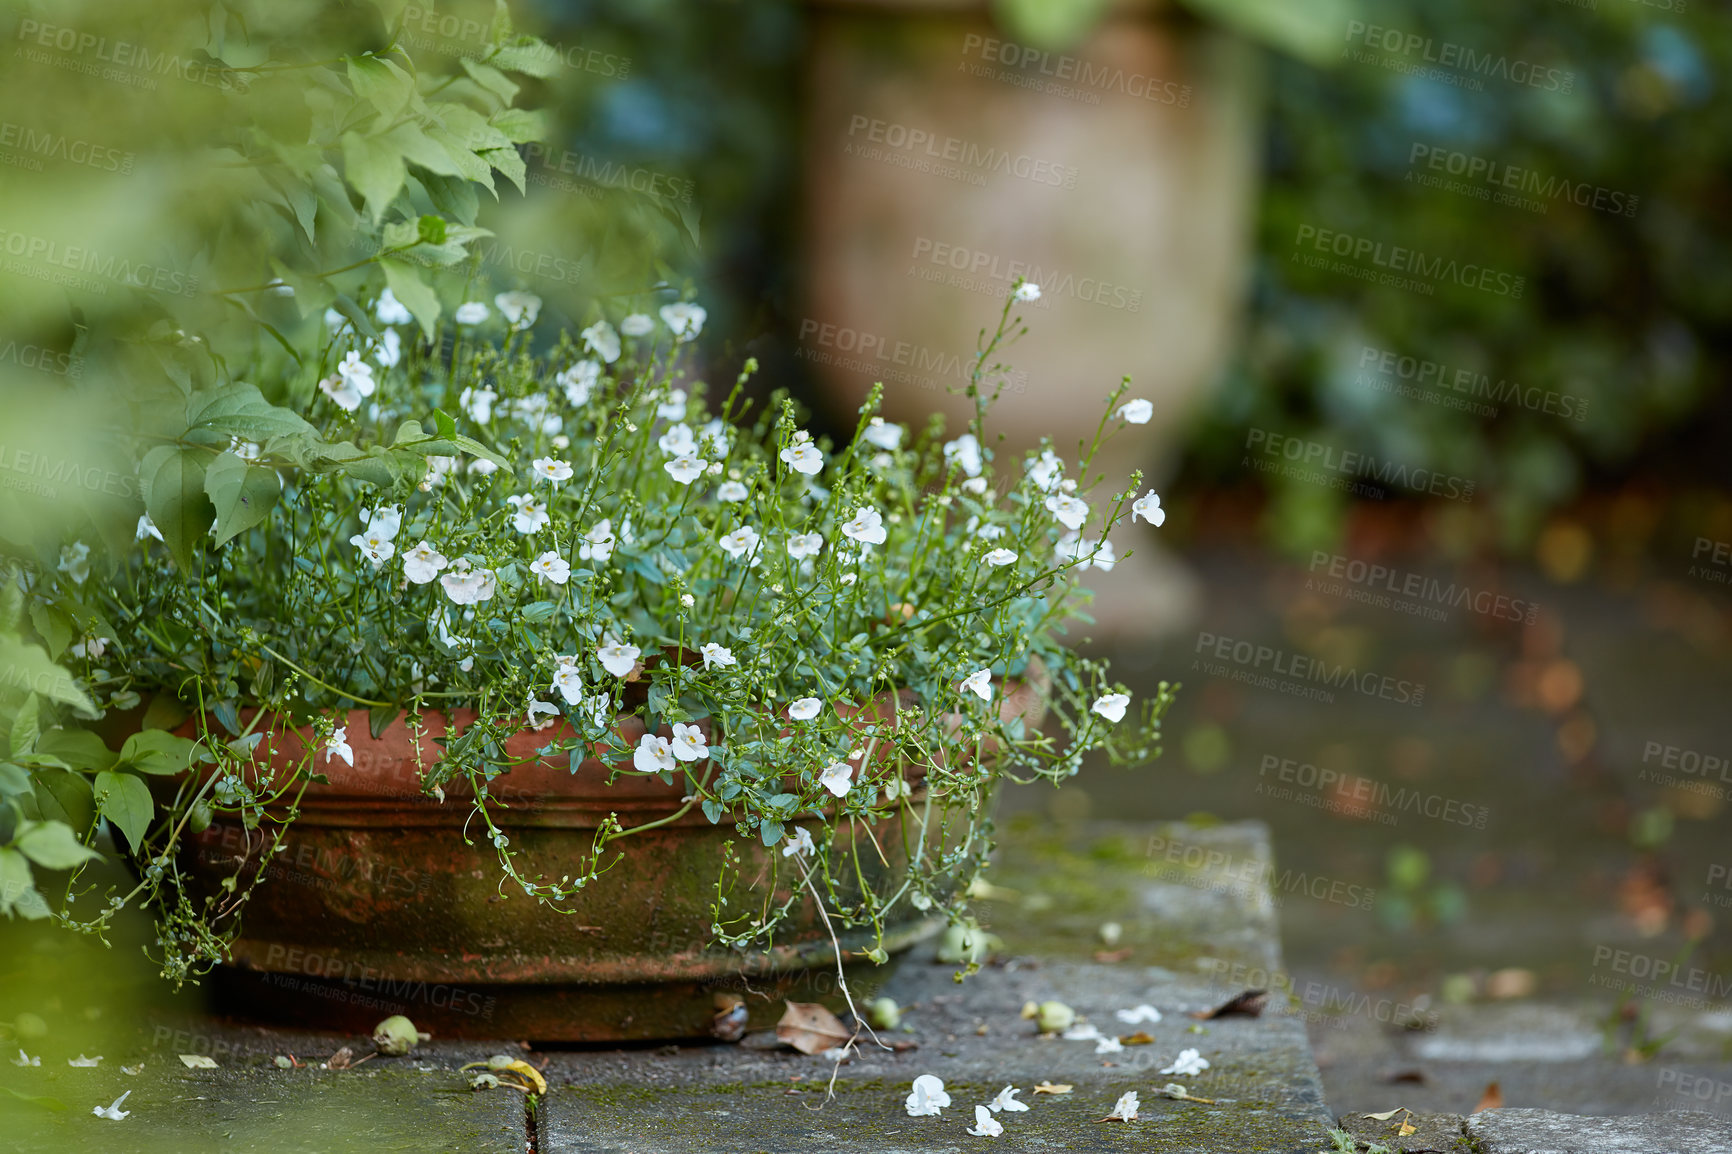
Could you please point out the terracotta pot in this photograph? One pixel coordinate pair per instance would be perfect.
(377, 906)
(942, 161)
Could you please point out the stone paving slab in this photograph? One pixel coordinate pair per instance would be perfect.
(1511, 1131)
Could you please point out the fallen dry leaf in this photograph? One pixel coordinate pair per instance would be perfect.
(1140, 1038)
(904, 1045)
(1387, 1114)
(1054, 1088)
(1248, 1004)
(1492, 1099)
(810, 1028)
(1415, 1076)
(198, 1062)
(1112, 957)
(341, 1060)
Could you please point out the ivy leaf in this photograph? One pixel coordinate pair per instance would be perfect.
(78, 748)
(240, 410)
(381, 83)
(65, 796)
(173, 480)
(770, 832)
(374, 166)
(125, 801)
(157, 752)
(417, 296)
(26, 725)
(54, 625)
(52, 845)
(17, 888)
(242, 493)
(713, 810)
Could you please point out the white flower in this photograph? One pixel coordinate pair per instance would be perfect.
(1143, 1012)
(884, 435)
(740, 542)
(616, 656)
(677, 441)
(975, 485)
(799, 841)
(689, 743)
(674, 408)
(75, 561)
(1148, 507)
(1102, 554)
(468, 588)
(684, 319)
(92, 647)
(1125, 1109)
(1082, 1032)
(805, 709)
(1046, 470)
(531, 515)
(685, 469)
(389, 350)
(569, 681)
(602, 341)
(520, 308)
(357, 374)
(337, 745)
(979, 682)
(385, 520)
(334, 320)
(731, 491)
(578, 380)
(391, 311)
(849, 578)
(803, 545)
(928, 1097)
(715, 654)
(24, 1059)
(1112, 707)
(471, 313)
(245, 450)
(985, 1125)
(1188, 1062)
(373, 546)
(341, 394)
(1109, 1046)
(1027, 291)
(637, 325)
(478, 403)
(1137, 412)
(714, 435)
(803, 455)
(964, 451)
(551, 470)
(112, 1111)
(1006, 1100)
(147, 528)
(654, 755)
(999, 557)
(836, 777)
(422, 563)
(540, 709)
(1071, 511)
(985, 532)
(866, 527)
(551, 568)
(482, 467)
(895, 788)
(597, 544)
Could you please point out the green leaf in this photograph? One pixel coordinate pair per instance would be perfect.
(443, 422)
(493, 81)
(538, 612)
(125, 801)
(64, 796)
(17, 887)
(374, 166)
(463, 158)
(770, 832)
(173, 480)
(54, 625)
(379, 719)
(1311, 31)
(381, 83)
(14, 780)
(26, 725)
(531, 57)
(52, 845)
(417, 147)
(507, 161)
(154, 751)
(357, 316)
(242, 493)
(712, 810)
(78, 748)
(520, 125)
(27, 668)
(476, 449)
(417, 296)
(240, 410)
(164, 712)
(469, 126)
(455, 199)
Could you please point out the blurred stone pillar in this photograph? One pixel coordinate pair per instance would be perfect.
(942, 160)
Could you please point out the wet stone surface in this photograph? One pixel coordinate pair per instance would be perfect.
(1513, 1131)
